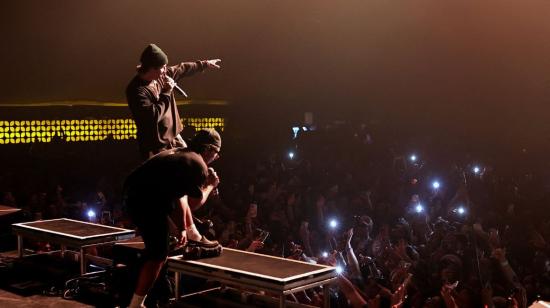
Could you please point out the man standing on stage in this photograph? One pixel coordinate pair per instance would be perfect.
(163, 189)
(152, 102)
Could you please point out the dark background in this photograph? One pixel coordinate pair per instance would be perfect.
(467, 68)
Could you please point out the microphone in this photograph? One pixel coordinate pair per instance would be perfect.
(215, 191)
(166, 78)
(180, 90)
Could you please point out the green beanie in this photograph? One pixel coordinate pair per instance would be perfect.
(153, 56)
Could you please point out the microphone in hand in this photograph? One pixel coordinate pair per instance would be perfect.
(167, 79)
(211, 172)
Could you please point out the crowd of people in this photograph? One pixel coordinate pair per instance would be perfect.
(405, 226)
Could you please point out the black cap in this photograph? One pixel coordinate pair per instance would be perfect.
(153, 56)
(208, 136)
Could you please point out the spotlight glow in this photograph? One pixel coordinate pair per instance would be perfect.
(413, 158)
(339, 269)
(436, 184)
(461, 210)
(325, 254)
(91, 214)
(419, 208)
(291, 155)
(295, 130)
(476, 169)
(333, 223)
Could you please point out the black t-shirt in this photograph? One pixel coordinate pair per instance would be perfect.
(165, 177)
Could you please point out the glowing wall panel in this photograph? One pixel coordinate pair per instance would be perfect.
(77, 130)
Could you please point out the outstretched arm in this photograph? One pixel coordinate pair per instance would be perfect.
(350, 254)
(352, 295)
(185, 69)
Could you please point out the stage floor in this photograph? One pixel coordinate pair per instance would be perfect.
(8, 299)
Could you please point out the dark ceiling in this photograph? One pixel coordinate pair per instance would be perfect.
(468, 61)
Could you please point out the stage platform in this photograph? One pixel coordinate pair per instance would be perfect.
(69, 233)
(258, 272)
(8, 216)
(6, 210)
